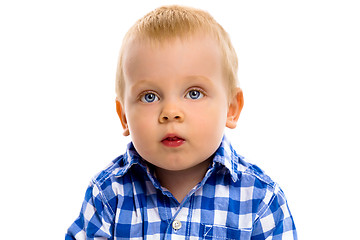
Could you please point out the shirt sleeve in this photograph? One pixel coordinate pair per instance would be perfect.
(275, 220)
(95, 219)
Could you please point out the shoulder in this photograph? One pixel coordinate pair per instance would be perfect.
(117, 166)
(269, 204)
(243, 173)
(107, 186)
(262, 190)
(252, 196)
(247, 169)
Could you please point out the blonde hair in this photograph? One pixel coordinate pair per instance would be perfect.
(168, 22)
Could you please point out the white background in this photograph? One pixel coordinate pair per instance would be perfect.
(299, 67)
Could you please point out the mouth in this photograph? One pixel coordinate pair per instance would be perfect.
(172, 140)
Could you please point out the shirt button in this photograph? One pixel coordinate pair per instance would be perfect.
(176, 225)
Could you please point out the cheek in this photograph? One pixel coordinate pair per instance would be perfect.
(140, 119)
(212, 117)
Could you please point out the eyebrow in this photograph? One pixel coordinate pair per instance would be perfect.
(196, 77)
(188, 79)
(202, 79)
(141, 83)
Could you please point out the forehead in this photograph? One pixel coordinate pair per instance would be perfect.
(197, 54)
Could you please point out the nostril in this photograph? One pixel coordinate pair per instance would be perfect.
(170, 116)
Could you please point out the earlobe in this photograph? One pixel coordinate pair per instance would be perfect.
(235, 107)
(121, 113)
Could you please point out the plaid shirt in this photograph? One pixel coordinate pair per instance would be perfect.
(235, 200)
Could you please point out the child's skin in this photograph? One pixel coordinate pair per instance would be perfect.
(176, 106)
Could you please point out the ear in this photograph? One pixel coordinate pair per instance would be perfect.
(235, 107)
(121, 113)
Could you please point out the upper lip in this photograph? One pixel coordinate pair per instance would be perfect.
(172, 136)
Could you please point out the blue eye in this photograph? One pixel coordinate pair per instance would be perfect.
(194, 94)
(149, 98)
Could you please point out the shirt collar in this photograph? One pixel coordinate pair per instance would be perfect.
(224, 156)
(227, 157)
(130, 158)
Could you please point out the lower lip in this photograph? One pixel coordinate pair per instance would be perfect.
(176, 143)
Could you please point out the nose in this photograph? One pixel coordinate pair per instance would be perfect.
(171, 113)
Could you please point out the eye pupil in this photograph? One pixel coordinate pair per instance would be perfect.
(150, 97)
(194, 94)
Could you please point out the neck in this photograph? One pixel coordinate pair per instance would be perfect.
(180, 182)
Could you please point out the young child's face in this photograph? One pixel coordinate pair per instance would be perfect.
(175, 103)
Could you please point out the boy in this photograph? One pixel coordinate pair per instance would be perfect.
(180, 178)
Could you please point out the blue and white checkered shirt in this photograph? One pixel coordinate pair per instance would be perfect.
(235, 200)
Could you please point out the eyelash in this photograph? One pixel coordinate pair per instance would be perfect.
(196, 89)
(143, 94)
